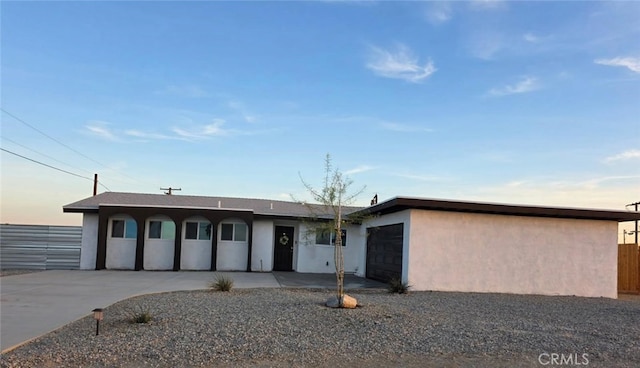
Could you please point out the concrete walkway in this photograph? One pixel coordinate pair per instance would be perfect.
(37, 303)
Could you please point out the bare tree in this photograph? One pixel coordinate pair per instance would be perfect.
(332, 197)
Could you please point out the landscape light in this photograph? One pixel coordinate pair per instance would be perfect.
(98, 315)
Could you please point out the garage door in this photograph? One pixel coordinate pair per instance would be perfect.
(384, 252)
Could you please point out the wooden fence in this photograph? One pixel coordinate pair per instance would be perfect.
(628, 268)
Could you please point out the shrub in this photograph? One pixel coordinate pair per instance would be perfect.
(140, 315)
(397, 286)
(222, 283)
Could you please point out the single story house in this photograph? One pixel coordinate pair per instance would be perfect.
(431, 244)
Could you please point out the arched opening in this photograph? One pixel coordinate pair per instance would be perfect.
(197, 236)
(233, 245)
(122, 231)
(159, 243)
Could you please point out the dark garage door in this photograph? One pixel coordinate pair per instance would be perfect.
(384, 252)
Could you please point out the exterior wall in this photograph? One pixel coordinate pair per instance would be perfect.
(89, 248)
(195, 255)
(158, 254)
(262, 254)
(468, 252)
(232, 255)
(402, 217)
(319, 258)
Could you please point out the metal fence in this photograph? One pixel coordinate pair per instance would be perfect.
(40, 247)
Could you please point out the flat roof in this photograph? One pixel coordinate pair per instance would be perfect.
(397, 204)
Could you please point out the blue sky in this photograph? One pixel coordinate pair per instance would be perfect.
(515, 102)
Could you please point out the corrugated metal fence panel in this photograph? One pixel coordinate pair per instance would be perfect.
(40, 247)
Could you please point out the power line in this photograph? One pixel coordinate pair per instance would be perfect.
(50, 137)
(65, 145)
(42, 154)
(51, 167)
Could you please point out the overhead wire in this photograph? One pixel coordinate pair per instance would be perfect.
(51, 167)
(42, 154)
(65, 145)
(52, 138)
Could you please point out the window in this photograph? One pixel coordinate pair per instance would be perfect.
(326, 237)
(198, 230)
(234, 232)
(162, 230)
(124, 229)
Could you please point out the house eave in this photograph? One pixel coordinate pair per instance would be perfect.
(403, 203)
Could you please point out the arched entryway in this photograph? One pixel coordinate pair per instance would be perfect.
(159, 243)
(122, 233)
(197, 235)
(233, 245)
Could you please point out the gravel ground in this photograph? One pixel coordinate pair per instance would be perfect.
(292, 327)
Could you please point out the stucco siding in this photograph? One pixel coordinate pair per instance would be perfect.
(453, 251)
(232, 256)
(319, 258)
(262, 246)
(195, 255)
(89, 247)
(121, 254)
(158, 254)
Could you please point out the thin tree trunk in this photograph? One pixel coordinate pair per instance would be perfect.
(338, 257)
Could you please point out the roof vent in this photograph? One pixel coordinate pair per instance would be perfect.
(219, 204)
(271, 205)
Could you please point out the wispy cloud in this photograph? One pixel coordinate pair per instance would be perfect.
(439, 12)
(487, 4)
(485, 44)
(215, 129)
(530, 37)
(399, 64)
(626, 155)
(359, 169)
(148, 135)
(404, 128)
(631, 63)
(100, 129)
(188, 91)
(526, 84)
(242, 110)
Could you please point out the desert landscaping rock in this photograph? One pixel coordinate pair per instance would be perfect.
(293, 327)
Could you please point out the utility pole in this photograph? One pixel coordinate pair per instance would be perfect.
(170, 190)
(636, 222)
(95, 184)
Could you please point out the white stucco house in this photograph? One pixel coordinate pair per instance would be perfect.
(431, 244)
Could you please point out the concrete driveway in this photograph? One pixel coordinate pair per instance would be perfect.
(37, 303)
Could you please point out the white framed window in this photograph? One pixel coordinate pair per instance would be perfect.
(327, 237)
(126, 229)
(233, 232)
(198, 230)
(162, 230)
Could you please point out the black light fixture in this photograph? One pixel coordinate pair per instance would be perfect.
(98, 315)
